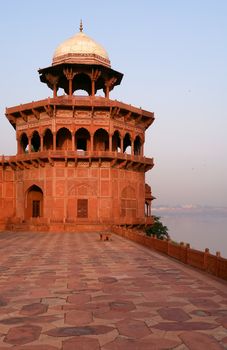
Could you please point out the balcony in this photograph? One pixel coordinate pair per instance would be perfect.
(117, 159)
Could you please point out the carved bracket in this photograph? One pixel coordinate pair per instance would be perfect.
(24, 116)
(110, 83)
(95, 74)
(69, 74)
(52, 80)
(49, 110)
(36, 113)
(114, 112)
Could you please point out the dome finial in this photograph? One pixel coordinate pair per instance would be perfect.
(81, 26)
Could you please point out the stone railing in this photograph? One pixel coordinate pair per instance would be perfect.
(75, 154)
(213, 264)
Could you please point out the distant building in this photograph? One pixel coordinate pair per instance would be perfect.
(80, 161)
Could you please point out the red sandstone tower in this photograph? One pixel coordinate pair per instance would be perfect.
(80, 162)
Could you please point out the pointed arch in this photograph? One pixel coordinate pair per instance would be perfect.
(64, 139)
(127, 143)
(137, 146)
(24, 143)
(82, 140)
(34, 202)
(101, 140)
(82, 81)
(116, 141)
(47, 140)
(35, 142)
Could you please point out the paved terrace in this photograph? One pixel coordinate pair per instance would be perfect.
(72, 291)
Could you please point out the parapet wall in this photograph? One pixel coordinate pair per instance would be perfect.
(213, 264)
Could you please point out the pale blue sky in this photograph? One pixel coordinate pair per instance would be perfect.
(173, 54)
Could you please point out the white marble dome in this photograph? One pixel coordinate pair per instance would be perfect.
(80, 49)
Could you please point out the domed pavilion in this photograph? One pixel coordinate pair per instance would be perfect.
(80, 163)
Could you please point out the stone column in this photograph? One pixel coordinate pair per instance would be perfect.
(110, 143)
(122, 144)
(41, 143)
(29, 144)
(92, 87)
(54, 141)
(55, 89)
(109, 84)
(142, 149)
(92, 143)
(69, 74)
(132, 147)
(107, 92)
(18, 146)
(95, 74)
(73, 141)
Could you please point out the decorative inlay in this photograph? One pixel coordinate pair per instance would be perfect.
(105, 164)
(101, 122)
(101, 114)
(63, 121)
(82, 121)
(84, 114)
(83, 164)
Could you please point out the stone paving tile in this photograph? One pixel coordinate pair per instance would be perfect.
(79, 299)
(22, 334)
(78, 317)
(145, 344)
(133, 329)
(173, 314)
(34, 309)
(201, 341)
(81, 344)
(68, 291)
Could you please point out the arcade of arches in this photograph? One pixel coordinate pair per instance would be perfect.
(81, 140)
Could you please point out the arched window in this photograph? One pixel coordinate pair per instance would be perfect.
(82, 140)
(34, 204)
(116, 142)
(24, 143)
(64, 139)
(48, 140)
(82, 82)
(137, 146)
(101, 140)
(127, 144)
(35, 142)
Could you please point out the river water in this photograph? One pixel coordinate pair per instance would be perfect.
(199, 231)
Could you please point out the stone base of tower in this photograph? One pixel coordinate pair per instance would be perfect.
(65, 227)
(55, 227)
(64, 196)
(42, 225)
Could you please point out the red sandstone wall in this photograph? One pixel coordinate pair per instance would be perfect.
(7, 194)
(102, 186)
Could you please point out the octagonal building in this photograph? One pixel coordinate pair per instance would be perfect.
(80, 163)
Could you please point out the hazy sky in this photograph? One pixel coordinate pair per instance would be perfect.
(173, 54)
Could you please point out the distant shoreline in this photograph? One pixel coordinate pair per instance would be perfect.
(188, 210)
(200, 229)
